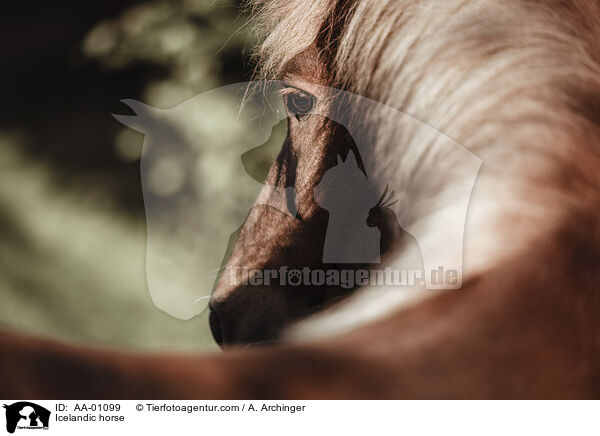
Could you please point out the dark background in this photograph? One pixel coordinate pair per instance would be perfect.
(72, 227)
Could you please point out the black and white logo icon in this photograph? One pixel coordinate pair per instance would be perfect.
(26, 415)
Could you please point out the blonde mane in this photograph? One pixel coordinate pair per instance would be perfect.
(511, 82)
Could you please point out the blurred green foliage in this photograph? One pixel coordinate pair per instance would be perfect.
(73, 235)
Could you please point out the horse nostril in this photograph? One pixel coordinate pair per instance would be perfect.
(215, 327)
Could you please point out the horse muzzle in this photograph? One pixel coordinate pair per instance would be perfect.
(249, 317)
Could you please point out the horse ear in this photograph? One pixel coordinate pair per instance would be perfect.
(339, 159)
(144, 115)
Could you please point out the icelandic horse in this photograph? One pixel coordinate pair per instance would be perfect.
(515, 82)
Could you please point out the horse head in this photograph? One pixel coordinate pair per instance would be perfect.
(275, 244)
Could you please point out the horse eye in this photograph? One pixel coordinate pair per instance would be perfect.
(299, 103)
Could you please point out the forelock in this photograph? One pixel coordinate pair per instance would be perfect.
(287, 28)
